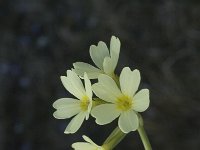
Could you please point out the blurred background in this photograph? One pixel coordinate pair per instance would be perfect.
(40, 39)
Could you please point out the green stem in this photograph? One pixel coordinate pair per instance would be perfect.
(143, 136)
(114, 138)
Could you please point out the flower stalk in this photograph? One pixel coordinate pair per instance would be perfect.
(143, 135)
(114, 138)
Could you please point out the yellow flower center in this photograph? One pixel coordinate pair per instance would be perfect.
(124, 103)
(84, 103)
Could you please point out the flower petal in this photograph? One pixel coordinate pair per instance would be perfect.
(129, 81)
(108, 66)
(88, 86)
(98, 53)
(87, 139)
(114, 50)
(67, 111)
(81, 67)
(73, 84)
(110, 83)
(87, 114)
(128, 121)
(76, 81)
(106, 89)
(62, 102)
(105, 113)
(141, 100)
(75, 123)
(66, 108)
(83, 146)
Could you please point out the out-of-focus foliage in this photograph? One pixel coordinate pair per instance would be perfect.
(40, 39)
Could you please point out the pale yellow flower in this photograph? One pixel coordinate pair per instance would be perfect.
(80, 107)
(123, 103)
(105, 60)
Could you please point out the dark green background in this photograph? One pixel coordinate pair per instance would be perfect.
(40, 39)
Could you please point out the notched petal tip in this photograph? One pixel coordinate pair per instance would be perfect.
(101, 43)
(63, 77)
(115, 41)
(114, 37)
(69, 72)
(54, 115)
(137, 71)
(54, 105)
(126, 69)
(76, 63)
(92, 47)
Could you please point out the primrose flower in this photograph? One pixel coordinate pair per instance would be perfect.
(105, 61)
(68, 107)
(123, 103)
(88, 145)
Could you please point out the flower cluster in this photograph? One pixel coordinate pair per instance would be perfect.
(117, 96)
